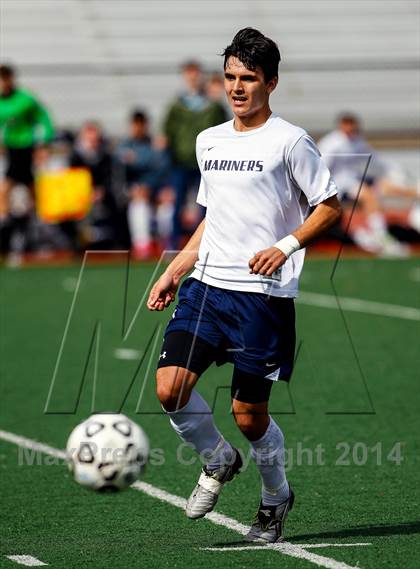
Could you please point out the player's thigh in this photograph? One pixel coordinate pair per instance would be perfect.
(184, 357)
(192, 335)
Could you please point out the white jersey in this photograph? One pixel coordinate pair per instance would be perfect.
(257, 187)
(347, 159)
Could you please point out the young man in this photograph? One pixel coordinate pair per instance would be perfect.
(345, 151)
(260, 175)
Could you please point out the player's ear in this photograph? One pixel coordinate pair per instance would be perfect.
(272, 84)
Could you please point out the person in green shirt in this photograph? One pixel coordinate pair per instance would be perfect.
(191, 112)
(24, 123)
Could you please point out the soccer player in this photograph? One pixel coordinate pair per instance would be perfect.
(259, 177)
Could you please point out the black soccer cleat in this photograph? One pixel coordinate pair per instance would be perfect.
(268, 526)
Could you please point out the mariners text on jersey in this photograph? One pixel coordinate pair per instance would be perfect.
(234, 165)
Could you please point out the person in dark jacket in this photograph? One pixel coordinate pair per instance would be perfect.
(91, 152)
(146, 168)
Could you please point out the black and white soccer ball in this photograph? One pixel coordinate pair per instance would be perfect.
(108, 451)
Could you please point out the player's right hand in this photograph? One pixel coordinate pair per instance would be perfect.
(163, 292)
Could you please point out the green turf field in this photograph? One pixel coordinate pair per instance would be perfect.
(351, 420)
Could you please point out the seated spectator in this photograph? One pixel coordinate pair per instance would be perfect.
(90, 151)
(347, 154)
(146, 168)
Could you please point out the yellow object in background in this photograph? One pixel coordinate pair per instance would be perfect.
(65, 195)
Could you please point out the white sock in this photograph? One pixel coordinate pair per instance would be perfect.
(268, 453)
(194, 424)
(139, 217)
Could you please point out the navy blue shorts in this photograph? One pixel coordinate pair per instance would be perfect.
(253, 331)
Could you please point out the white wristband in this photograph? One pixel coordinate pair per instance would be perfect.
(288, 245)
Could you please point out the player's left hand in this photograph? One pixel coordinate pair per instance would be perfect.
(266, 262)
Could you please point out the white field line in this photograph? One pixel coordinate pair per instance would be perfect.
(285, 547)
(33, 445)
(27, 560)
(317, 545)
(359, 305)
(304, 545)
(127, 354)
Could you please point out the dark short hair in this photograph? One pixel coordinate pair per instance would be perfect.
(190, 64)
(138, 116)
(254, 49)
(6, 72)
(347, 117)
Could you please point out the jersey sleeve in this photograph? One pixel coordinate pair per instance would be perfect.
(328, 150)
(202, 190)
(309, 171)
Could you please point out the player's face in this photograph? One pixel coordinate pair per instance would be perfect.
(246, 90)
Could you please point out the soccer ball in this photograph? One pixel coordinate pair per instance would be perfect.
(108, 451)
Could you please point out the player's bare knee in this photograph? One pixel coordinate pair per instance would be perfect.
(168, 395)
(173, 387)
(252, 420)
(247, 424)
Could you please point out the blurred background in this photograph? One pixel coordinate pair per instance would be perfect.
(100, 105)
(119, 91)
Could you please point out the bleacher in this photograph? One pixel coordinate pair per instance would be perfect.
(99, 58)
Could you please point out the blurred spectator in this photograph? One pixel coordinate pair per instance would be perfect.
(215, 90)
(146, 164)
(47, 159)
(190, 113)
(46, 237)
(90, 151)
(25, 122)
(347, 153)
